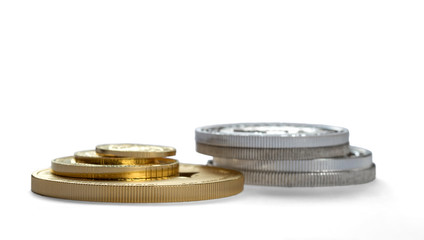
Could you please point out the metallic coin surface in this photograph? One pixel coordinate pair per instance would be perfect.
(358, 158)
(272, 135)
(90, 156)
(135, 150)
(273, 153)
(156, 168)
(195, 182)
(309, 179)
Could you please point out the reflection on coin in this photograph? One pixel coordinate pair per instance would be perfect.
(135, 150)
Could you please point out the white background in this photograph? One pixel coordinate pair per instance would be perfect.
(75, 74)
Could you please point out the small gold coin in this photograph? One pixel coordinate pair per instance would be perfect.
(135, 150)
(156, 168)
(195, 182)
(91, 157)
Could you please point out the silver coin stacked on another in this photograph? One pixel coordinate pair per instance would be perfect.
(287, 154)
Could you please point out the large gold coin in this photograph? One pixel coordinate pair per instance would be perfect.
(90, 156)
(195, 182)
(156, 168)
(135, 150)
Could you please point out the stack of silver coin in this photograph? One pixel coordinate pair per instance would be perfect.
(287, 154)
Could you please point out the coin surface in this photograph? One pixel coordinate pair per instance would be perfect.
(272, 135)
(358, 158)
(135, 150)
(309, 179)
(155, 168)
(195, 182)
(90, 156)
(273, 153)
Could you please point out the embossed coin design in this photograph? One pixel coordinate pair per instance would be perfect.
(135, 150)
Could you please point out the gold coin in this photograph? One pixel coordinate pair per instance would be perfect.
(135, 150)
(90, 156)
(195, 182)
(157, 168)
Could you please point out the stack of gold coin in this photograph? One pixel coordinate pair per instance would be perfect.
(133, 173)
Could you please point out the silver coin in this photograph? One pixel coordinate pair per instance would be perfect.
(358, 158)
(309, 179)
(273, 153)
(272, 135)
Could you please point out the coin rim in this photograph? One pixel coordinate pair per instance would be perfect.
(109, 160)
(273, 153)
(139, 192)
(362, 158)
(309, 179)
(136, 154)
(202, 135)
(97, 171)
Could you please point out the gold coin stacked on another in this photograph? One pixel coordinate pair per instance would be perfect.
(133, 173)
